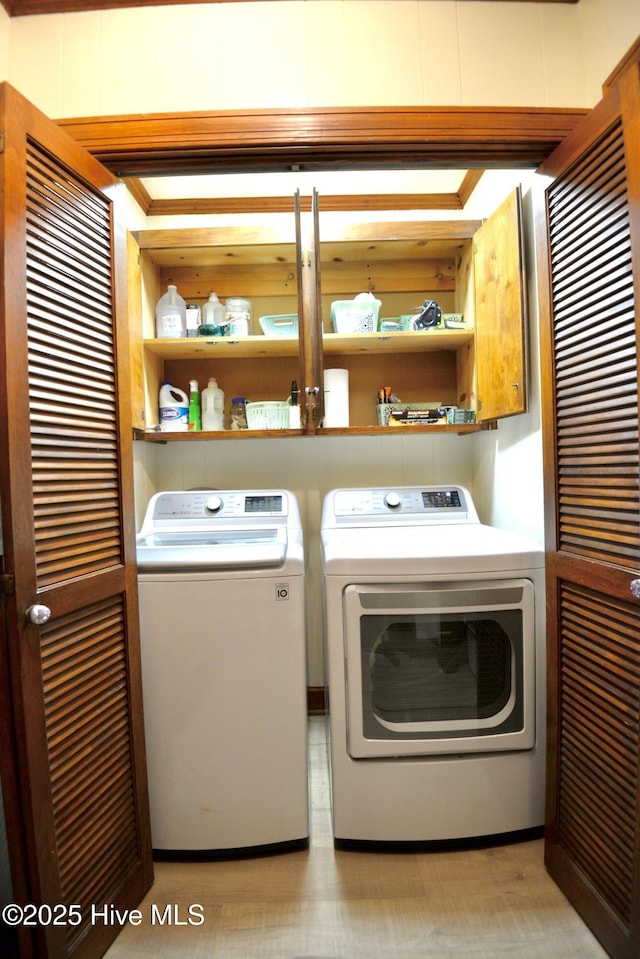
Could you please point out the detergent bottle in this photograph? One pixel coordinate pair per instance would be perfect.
(212, 406)
(174, 409)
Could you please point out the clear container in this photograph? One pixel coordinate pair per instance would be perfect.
(238, 414)
(193, 319)
(171, 315)
(238, 316)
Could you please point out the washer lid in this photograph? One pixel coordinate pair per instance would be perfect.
(189, 549)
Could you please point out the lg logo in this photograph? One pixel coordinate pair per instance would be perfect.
(282, 592)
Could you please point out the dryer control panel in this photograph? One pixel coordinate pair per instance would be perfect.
(410, 504)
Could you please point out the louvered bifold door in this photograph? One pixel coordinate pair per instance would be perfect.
(592, 466)
(67, 502)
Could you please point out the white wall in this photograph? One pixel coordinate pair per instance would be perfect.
(328, 53)
(310, 467)
(317, 53)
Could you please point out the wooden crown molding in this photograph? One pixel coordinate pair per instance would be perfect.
(324, 139)
(632, 56)
(22, 8)
(365, 202)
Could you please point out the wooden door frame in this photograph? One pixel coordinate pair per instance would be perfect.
(332, 138)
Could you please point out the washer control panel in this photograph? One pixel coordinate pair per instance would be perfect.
(192, 505)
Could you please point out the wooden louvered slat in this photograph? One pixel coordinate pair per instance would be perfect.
(84, 666)
(599, 722)
(71, 375)
(592, 464)
(596, 383)
(78, 530)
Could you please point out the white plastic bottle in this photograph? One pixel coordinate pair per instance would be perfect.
(213, 316)
(174, 409)
(212, 406)
(171, 315)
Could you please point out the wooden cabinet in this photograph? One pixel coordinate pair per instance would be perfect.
(468, 267)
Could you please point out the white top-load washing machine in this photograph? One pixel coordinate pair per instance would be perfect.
(222, 617)
(434, 632)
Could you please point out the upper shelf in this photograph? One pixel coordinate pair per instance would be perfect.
(221, 347)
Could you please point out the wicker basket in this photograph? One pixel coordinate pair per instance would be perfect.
(268, 416)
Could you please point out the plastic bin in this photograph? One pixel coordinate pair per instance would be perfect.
(273, 415)
(351, 316)
(282, 324)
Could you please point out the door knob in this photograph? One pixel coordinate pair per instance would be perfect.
(38, 614)
(635, 588)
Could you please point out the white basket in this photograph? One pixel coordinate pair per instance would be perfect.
(353, 316)
(268, 416)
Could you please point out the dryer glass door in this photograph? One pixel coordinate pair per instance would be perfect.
(440, 668)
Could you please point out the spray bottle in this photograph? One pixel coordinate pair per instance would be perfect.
(195, 421)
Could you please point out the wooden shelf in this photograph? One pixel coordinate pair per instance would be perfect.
(222, 347)
(334, 344)
(158, 436)
(428, 341)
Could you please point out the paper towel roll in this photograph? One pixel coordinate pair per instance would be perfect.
(336, 398)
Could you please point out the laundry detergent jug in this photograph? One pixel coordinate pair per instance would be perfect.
(212, 406)
(174, 409)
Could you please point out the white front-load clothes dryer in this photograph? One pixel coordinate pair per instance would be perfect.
(434, 642)
(222, 619)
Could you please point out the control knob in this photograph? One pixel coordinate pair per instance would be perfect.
(392, 500)
(214, 504)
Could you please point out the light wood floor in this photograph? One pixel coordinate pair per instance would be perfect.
(322, 903)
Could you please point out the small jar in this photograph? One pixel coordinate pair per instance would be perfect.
(193, 319)
(238, 414)
(238, 316)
